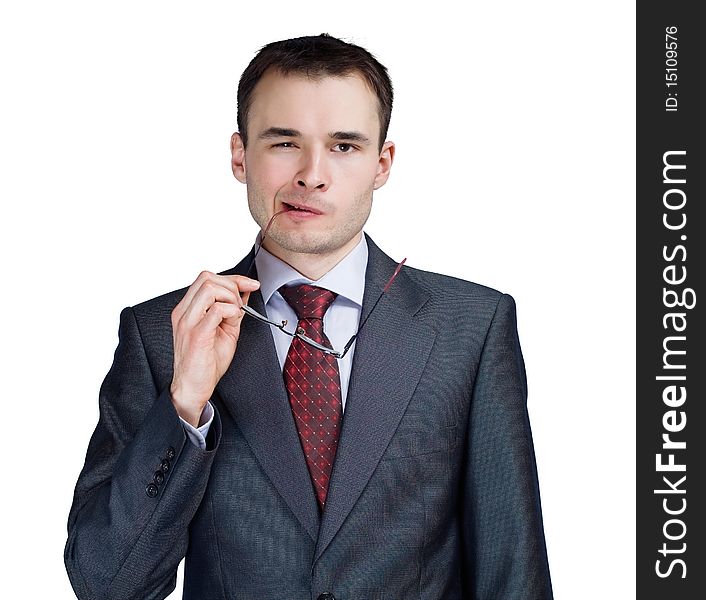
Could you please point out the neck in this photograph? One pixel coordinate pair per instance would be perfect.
(312, 266)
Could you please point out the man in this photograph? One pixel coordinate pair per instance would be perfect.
(281, 466)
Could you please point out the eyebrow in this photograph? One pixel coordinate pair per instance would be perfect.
(277, 132)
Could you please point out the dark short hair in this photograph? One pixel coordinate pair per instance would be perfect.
(316, 57)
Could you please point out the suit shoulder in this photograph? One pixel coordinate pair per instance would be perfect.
(158, 310)
(153, 320)
(468, 308)
(465, 308)
(436, 284)
(167, 301)
(159, 306)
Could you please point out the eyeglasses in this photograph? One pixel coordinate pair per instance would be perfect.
(297, 333)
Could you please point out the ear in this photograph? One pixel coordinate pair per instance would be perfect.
(237, 157)
(387, 155)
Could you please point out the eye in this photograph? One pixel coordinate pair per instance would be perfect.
(344, 148)
(284, 145)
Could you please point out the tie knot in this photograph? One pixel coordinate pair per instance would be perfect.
(308, 301)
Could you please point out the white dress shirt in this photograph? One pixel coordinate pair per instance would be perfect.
(347, 279)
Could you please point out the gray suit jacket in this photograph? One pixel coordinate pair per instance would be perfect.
(434, 490)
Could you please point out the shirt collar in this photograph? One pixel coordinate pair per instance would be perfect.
(346, 279)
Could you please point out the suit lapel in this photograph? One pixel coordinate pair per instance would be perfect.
(253, 391)
(390, 354)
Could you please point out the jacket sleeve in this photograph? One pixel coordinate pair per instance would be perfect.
(141, 485)
(504, 550)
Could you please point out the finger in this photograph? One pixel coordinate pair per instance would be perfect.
(243, 283)
(217, 313)
(208, 294)
(231, 282)
(235, 283)
(238, 284)
(185, 302)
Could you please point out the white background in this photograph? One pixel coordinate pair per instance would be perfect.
(514, 125)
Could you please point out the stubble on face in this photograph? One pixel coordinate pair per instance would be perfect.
(300, 239)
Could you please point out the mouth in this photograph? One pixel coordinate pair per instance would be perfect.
(301, 209)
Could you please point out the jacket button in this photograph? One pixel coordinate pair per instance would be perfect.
(326, 596)
(152, 490)
(159, 477)
(164, 466)
(170, 454)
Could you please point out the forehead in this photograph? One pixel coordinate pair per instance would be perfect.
(326, 103)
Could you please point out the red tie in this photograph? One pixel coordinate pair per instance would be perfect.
(313, 384)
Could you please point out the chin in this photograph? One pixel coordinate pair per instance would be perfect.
(306, 243)
(309, 242)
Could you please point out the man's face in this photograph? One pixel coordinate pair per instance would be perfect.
(313, 143)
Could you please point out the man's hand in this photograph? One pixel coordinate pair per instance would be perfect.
(206, 327)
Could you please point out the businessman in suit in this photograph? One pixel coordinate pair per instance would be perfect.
(317, 422)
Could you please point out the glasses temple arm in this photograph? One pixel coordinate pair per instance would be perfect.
(370, 312)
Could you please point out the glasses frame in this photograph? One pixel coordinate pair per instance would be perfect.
(297, 333)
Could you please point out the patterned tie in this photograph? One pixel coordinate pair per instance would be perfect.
(313, 384)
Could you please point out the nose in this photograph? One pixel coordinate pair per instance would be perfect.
(313, 174)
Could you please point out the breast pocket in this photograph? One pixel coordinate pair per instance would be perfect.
(416, 442)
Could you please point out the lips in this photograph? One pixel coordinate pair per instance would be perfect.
(296, 207)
